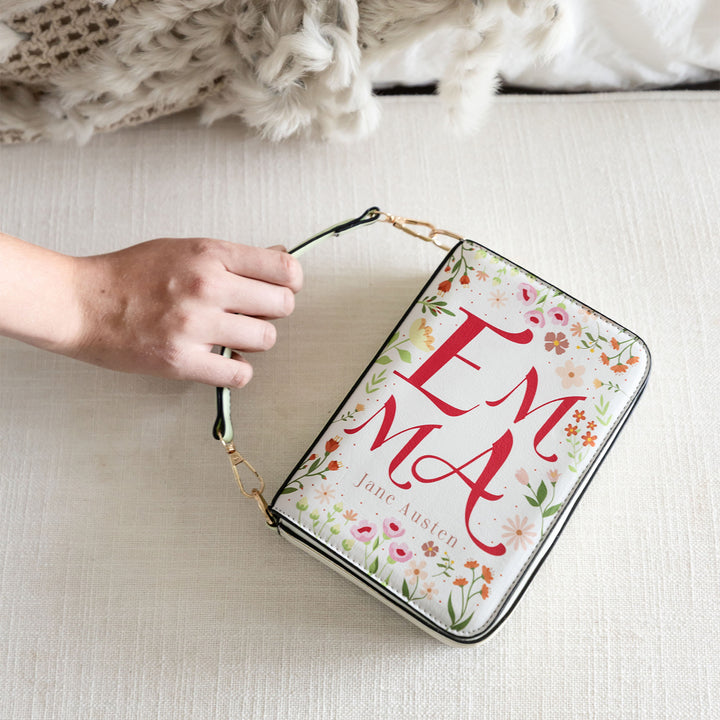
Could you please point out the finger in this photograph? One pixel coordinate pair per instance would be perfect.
(246, 334)
(255, 298)
(213, 369)
(270, 266)
(278, 248)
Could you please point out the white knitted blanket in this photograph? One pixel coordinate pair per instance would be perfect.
(69, 68)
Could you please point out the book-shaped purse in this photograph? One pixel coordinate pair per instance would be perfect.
(447, 473)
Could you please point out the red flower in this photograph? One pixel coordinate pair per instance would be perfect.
(472, 564)
(619, 368)
(571, 429)
(313, 457)
(444, 286)
(460, 582)
(430, 549)
(579, 415)
(484, 592)
(615, 344)
(332, 445)
(447, 268)
(557, 342)
(334, 465)
(464, 280)
(589, 439)
(605, 359)
(487, 575)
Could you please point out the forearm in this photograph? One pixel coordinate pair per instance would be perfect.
(38, 298)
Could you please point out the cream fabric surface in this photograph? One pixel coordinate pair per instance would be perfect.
(137, 583)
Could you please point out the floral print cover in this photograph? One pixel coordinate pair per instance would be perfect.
(444, 469)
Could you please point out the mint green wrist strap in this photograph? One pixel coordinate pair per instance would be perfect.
(222, 428)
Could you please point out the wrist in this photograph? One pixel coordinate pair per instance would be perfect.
(38, 296)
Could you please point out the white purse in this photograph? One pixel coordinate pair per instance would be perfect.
(447, 473)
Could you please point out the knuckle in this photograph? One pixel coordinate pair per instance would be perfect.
(199, 286)
(203, 247)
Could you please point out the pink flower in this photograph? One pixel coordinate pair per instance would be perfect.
(527, 294)
(522, 476)
(430, 549)
(535, 317)
(519, 533)
(571, 375)
(558, 342)
(558, 315)
(399, 552)
(363, 531)
(392, 529)
(416, 570)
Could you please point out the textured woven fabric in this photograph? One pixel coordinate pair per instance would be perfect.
(74, 67)
(137, 583)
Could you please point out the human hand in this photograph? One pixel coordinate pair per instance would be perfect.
(158, 308)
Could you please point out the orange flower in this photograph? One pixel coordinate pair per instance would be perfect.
(464, 280)
(460, 582)
(589, 439)
(571, 430)
(484, 592)
(447, 268)
(332, 444)
(444, 286)
(487, 575)
(312, 457)
(482, 275)
(619, 368)
(576, 329)
(350, 516)
(579, 415)
(472, 564)
(359, 407)
(615, 344)
(591, 425)
(605, 359)
(633, 359)
(334, 465)
(597, 383)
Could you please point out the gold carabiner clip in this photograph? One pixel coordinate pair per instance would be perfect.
(407, 225)
(236, 459)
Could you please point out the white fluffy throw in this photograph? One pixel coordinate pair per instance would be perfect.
(283, 66)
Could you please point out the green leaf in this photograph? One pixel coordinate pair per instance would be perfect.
(383, 360)
(541, 299)
(551, 510)
(571, 468)
(600, 337)
(440, 303)
(405, 590)
(455, 266)
(451, 610)
(393, 338)
(405, 355)
(316, 464)
(542, 492)
(373, 566)
(532, 501)
(447, 312)
(462, 625)
(423, 309)
(589, 337)
(288, 490)
(376, 543)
